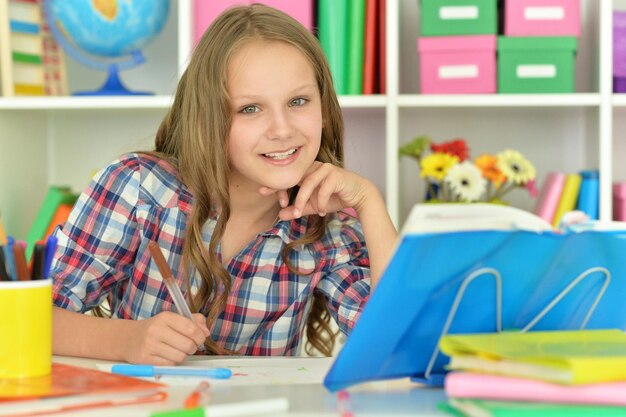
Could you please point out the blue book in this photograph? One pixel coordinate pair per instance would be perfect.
(589, 194)
(491, 275)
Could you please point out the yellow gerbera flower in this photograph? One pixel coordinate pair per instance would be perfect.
(436, 165)
(516, 167)
(488, 165)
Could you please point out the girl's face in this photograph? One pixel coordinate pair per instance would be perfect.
(276, 109)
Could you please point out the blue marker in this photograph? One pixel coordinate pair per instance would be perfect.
(51, 246)
(157, 371)
(9, 259)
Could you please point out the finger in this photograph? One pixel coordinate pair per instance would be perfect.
(169, 354)
(159, 361)
(200, 320)
(186, 334)
(282, 195)
(308, 187)
(283, 198)
(324, 193)
(265, 191)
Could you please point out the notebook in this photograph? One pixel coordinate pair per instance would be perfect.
(565, 357)
(480, 408)
(70, 388)
(504, 388)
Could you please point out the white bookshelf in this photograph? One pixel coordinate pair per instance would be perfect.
(63, 140)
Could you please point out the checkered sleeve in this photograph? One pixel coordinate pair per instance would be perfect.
(346, 284)
(98, 243)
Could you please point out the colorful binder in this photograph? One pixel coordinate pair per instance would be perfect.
(480, 282)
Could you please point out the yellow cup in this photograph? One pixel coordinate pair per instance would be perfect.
(25, 328)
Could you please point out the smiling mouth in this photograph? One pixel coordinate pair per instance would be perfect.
(280, 155)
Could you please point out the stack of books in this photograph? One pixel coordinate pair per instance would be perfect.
(563, 192)
(31, 61)
(351, 33)
(551, 373)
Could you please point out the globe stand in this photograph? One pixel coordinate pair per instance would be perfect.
(113, 86)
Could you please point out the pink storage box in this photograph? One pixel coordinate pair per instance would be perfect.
(542, 17)
(619, 201)
(457, 64)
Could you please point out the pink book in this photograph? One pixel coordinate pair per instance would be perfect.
(550, 195)
(301, 10)
(205, 12)
(496, 387)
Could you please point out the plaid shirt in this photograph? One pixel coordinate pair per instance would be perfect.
(103, 252)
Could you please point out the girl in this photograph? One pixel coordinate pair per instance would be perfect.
(245, 194)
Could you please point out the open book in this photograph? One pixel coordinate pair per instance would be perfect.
(475, 268)
(70, 388)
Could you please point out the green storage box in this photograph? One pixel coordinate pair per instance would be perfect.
(458, 17)
(536, 64)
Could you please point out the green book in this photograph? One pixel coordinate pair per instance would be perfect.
(55, 196)
(483, 408)
(333, 36)
(356, 46)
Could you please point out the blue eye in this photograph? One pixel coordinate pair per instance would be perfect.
(298, 102)
(249, 109)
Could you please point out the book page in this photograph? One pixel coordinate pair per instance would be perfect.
(255, 371)
(439, 218)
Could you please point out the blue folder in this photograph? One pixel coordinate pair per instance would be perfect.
(547, 279)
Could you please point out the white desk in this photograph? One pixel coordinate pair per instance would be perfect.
(391, 398)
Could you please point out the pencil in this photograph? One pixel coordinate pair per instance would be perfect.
(4, 276)
(20, 262)
(172, 288)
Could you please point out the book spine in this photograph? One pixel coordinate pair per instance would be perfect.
(53, 57)
(382, 47)
(205, 12)
(371, 47)
(550, 195)
(332, 23)
(301, 10)
(59, 218)
(54, 197)
(356, 46)
(26, 44)
(589, 194)
(568, 198)
(6, 70)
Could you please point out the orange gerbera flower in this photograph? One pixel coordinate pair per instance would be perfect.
(489, 168)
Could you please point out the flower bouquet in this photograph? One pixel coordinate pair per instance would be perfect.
(451, 176)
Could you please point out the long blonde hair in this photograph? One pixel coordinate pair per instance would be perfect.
(193, 137)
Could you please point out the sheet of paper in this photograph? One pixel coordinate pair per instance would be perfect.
(256, 371)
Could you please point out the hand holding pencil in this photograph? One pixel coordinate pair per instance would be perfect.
(168, 337)
(172, 287)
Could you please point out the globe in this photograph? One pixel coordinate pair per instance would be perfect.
(106, 35)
